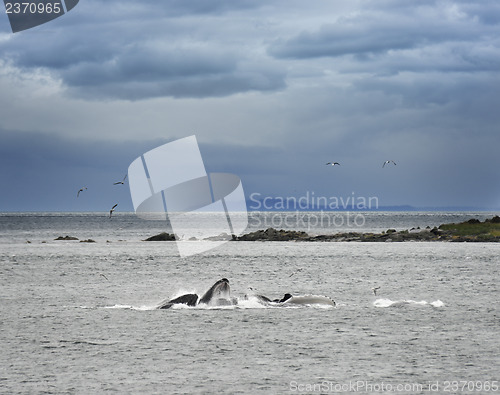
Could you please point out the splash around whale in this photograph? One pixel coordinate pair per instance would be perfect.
(219, 294)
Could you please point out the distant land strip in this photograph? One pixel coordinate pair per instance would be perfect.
(472, 230)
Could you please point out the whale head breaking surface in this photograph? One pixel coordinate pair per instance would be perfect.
(218, 293)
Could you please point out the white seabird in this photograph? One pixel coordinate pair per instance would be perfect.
(80, 190)
(121, 182)
(112, 209)
(333, 163)
(387, 162)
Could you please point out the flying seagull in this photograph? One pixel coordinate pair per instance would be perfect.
(375, 290)
(112, 209)
(387, 162)
(121, 182)
(80, 190)
(333, 163)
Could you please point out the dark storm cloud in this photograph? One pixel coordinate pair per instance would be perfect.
(182, 7)
(396, 36)
(189, 72)
(142, 50)
(354, 38)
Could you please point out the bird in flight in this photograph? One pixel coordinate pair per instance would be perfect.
(81, 190)
(112, 209)
(295, 272)
(121, 182)
(375, 290)
(387, 162)
(333, 163)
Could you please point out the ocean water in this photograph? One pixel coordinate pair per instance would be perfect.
(80, 318)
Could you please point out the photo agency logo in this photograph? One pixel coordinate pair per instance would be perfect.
(170, 183)
(311, 212)
(24, 15)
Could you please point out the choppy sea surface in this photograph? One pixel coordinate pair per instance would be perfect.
(80, 318)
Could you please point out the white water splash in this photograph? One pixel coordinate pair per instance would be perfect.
(400, 303)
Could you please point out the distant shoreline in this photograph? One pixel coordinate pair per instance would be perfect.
(472, 230)
(387, 209)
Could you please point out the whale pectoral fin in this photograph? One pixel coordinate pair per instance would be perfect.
(188, 299)
(309, 300)
(285, 298)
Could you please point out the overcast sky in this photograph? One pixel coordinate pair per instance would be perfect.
(272, 90)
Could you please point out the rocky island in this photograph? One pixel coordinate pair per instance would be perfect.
(472, 230)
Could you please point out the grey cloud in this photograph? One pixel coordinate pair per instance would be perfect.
(436, 36)
(182, 7)
(210, 77)
(429, 90)
(140, 64)
(365, 37)
(56, 54)
(143, 50)
(486, 12)
(175, 8)
(335, 40)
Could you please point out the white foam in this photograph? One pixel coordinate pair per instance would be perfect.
(421, 303)
(399, 303)
(383, 303)
(251, 302)
(437, 303)
(130, 307)
(118, 306)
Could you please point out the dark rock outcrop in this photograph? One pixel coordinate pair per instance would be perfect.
(67, 238)
(272, 234)
(164, 236)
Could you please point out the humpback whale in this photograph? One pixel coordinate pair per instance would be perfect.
(219, 294)
(289, 299)
(188, 299)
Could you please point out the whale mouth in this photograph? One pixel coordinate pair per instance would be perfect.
(220, 290)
